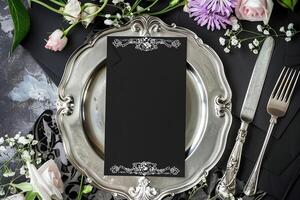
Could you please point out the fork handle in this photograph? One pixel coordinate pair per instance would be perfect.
(251, 185)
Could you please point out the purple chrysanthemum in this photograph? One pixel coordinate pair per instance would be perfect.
(225, 7)
(212, 13)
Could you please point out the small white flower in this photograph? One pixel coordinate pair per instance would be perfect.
(235, 27)
(108, 22)
(287, 39)
(8, 173)
(30, 137)
(1, 140)
(128, 7)
(34, 142)
(222, 41)
(11, 141)
(26, 156)
(255, 51)
(6, 135)
(255, 42)
(38, 160)
(2, 148)
(266, 32)
(239, 45)
(118, 15)
(226, 50)
(234, 41)
(107, 15)
(227, 33)
(17, 136)
(23, 140)
(282, 29)
(250, 45)
(117, 1)
(290, 26)
(32, 152)
(289, 33)
(233, 20)
(2, 192)
(259, 28)
(23, 170)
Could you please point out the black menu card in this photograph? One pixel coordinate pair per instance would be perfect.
(145, 106)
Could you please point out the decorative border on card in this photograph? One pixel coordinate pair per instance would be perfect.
(146, 44)
(144, 168)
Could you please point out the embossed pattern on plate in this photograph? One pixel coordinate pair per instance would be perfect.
(81, 111)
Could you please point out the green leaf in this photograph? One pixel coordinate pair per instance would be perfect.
(30, 195)
(87, 189)
(21, 21)
(288, 3)
(25, 187)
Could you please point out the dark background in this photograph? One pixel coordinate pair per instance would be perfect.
(281, 166)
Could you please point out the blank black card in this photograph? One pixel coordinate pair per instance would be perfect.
(145, 106)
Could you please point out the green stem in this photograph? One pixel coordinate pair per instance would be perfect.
(136, 3)
(48, 7)
(167, 9)
(69, 28)
(98, 11)
(145, 9)
(7, 161)
(273, 31)
(79, 196)
(254, 37)
(57, 3)
(252, 32)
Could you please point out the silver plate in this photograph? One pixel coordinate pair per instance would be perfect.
(81, 111)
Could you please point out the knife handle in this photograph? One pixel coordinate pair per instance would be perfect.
(227, 184)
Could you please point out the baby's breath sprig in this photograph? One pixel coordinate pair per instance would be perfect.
(233, 39)
(15, 152)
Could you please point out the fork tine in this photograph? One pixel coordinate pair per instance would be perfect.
(281, 84)
(295, 83)
(287, 92)
(277, 82)
(288, 81)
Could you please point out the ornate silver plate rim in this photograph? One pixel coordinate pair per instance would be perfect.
(212, 88)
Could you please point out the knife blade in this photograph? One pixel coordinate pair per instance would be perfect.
(257, 81)
(226, 186)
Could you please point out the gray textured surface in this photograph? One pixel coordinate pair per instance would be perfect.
(25, 89)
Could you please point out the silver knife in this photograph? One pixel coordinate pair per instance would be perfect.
(226, 187)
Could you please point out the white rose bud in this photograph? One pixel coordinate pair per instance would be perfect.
(87, 16)
(72, 11)
(57, 41)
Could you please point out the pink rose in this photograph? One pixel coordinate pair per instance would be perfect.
(46, 180)
(57, 41)
(254, 10)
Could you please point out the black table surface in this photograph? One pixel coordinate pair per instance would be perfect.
(281, 165)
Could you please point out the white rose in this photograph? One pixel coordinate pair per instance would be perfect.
(73, 10)
(254, 10)
(46, 180)
(56, 41)
(89, 9)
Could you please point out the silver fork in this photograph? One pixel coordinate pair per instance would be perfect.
(277, 106)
